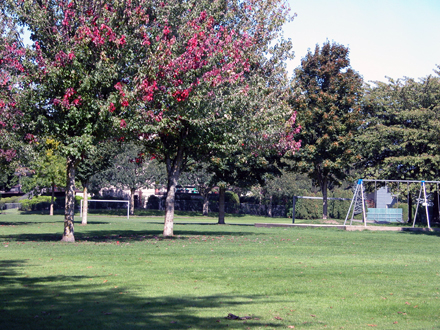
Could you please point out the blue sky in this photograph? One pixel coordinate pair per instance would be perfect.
(393, 38)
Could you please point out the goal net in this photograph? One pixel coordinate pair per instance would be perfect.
(105, 205)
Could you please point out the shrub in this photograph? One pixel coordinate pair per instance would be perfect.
(36, 203)
(153, 202)
(232, 197)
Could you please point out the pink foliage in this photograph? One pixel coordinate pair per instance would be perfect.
(112, 107)
(287, 143)
(10, 65)
(148, 88)
(211, 57)
(8, 155)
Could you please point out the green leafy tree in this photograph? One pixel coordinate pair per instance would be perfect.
(243, 170)
(203, 60)
(327, 95)
(173, 73)
(197, 174)
(97, 160)
(7, 177)
(281, 188)
(131, 169)
(77, 56)
(49, 172)
(400, 139)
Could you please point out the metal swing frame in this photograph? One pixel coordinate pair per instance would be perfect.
(359, 198)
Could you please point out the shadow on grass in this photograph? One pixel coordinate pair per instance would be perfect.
(21, 223)
(422, 232)
(178, 223)
(121, 235)
(61, 302)
(42, 212)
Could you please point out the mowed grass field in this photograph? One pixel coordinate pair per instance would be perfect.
(121, 274)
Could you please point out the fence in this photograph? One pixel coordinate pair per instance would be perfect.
(9, 206)
(233, 208)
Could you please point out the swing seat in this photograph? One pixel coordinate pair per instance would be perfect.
(384, 215)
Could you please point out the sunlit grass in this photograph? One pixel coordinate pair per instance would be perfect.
(121, 274)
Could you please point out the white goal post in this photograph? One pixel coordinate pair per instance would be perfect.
(102, 200)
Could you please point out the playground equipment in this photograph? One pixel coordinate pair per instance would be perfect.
(358, 206)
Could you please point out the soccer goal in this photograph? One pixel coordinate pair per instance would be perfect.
(106, 201)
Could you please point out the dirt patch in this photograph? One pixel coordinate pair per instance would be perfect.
(333, 222)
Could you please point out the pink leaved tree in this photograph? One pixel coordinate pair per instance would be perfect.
(207, 74)
(78, 55)
(11, 68)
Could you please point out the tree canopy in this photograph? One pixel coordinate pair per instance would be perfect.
(400, 137)
(204, 62)
(174, 75)
(11, 70)
(327, 95)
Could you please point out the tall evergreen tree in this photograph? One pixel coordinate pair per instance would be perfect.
(327, 94)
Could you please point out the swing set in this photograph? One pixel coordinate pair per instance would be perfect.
(358, 203)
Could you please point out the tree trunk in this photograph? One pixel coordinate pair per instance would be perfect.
(221, 205)
(69, 211)
(324, 198)
(204, 191)
(52, 199)
(173, 172)
(269, 210)
(132, 191)
(205, 205)
(85, 209)
(409, 208)
(169, 205)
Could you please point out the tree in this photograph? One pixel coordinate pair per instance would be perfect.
(254, 163)
(202, 61)
(327, 95)
(198, 174)
(77, 57)
(400, 137)
(11, 69)
(48, 172)
(7, 177)
(131, 169)
(172, 74)
(97, 160)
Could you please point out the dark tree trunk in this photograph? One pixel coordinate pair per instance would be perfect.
(69, 210)
(409, 208)
(221, 205)
(132, 191)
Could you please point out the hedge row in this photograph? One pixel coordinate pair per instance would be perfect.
(37, 203)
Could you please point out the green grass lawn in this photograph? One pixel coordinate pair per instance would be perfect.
(121, 274)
